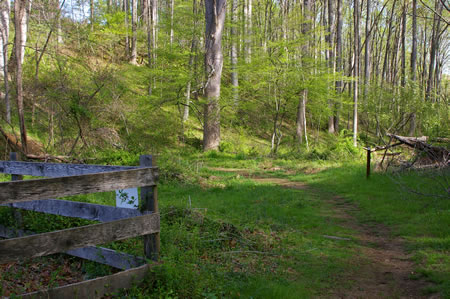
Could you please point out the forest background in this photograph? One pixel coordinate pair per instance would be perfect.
(131, 75)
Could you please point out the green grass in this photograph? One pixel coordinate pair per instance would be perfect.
(223, 235)
(392, 199)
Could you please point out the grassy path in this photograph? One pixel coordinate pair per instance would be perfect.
(385, 268)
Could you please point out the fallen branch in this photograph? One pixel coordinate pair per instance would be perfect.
(436, 153)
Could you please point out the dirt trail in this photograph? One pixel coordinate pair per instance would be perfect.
(384, 267)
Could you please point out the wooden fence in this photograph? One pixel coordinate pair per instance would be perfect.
(116, 223)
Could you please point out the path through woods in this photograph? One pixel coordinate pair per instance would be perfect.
(385, 268)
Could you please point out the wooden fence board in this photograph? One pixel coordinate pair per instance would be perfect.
(73, 185)
(55, 169)
(77, 209)
(94, 288)
(64, 240)
(108, 257)
(100, 255)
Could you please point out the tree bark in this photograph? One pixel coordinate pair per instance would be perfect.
(403, 79)
(126, 6)
(191, 63)
(331, 63)
(133, 58)
(234, 55)
(215, 11)
(339, 68)
(301, 109)
(414, 41)
(366, 53)
(434, 48)
(412, 122)
(355, 71)
(21, 10)
(5, 9)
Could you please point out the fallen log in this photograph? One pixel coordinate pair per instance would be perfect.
(435, 153)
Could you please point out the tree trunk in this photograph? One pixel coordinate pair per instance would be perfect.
(127, 41)
(403, 62)
(191, 63)
(5, 9)
(412, 122)
(234, 55)
(172, 4)
(355, 71)
(385, 63)
(249, 32)
(339, 68)
(301, 110)
(21, 10)
(215, 11)
(133, 59)
(434, 48)
(414, 41)
(91, 18)
(366, 53)
(330, 39)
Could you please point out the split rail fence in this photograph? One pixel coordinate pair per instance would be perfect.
(116, 223)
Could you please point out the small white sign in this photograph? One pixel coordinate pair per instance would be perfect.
(127, 198)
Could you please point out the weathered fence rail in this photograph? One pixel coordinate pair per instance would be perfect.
(116, 223)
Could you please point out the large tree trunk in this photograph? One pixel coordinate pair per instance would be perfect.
(133, 58)
(355, 71)
(21, 10)
(4, 36)
(215, 11)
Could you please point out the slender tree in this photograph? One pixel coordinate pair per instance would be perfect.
(234, 54)
(412, 126)
(4, 36)
(134, 6)
(301, 108)
(355, 70)
(21, 11)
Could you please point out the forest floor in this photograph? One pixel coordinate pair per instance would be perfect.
(385, 269)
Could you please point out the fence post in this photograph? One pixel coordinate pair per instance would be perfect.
(368, 162)
(149, 200)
